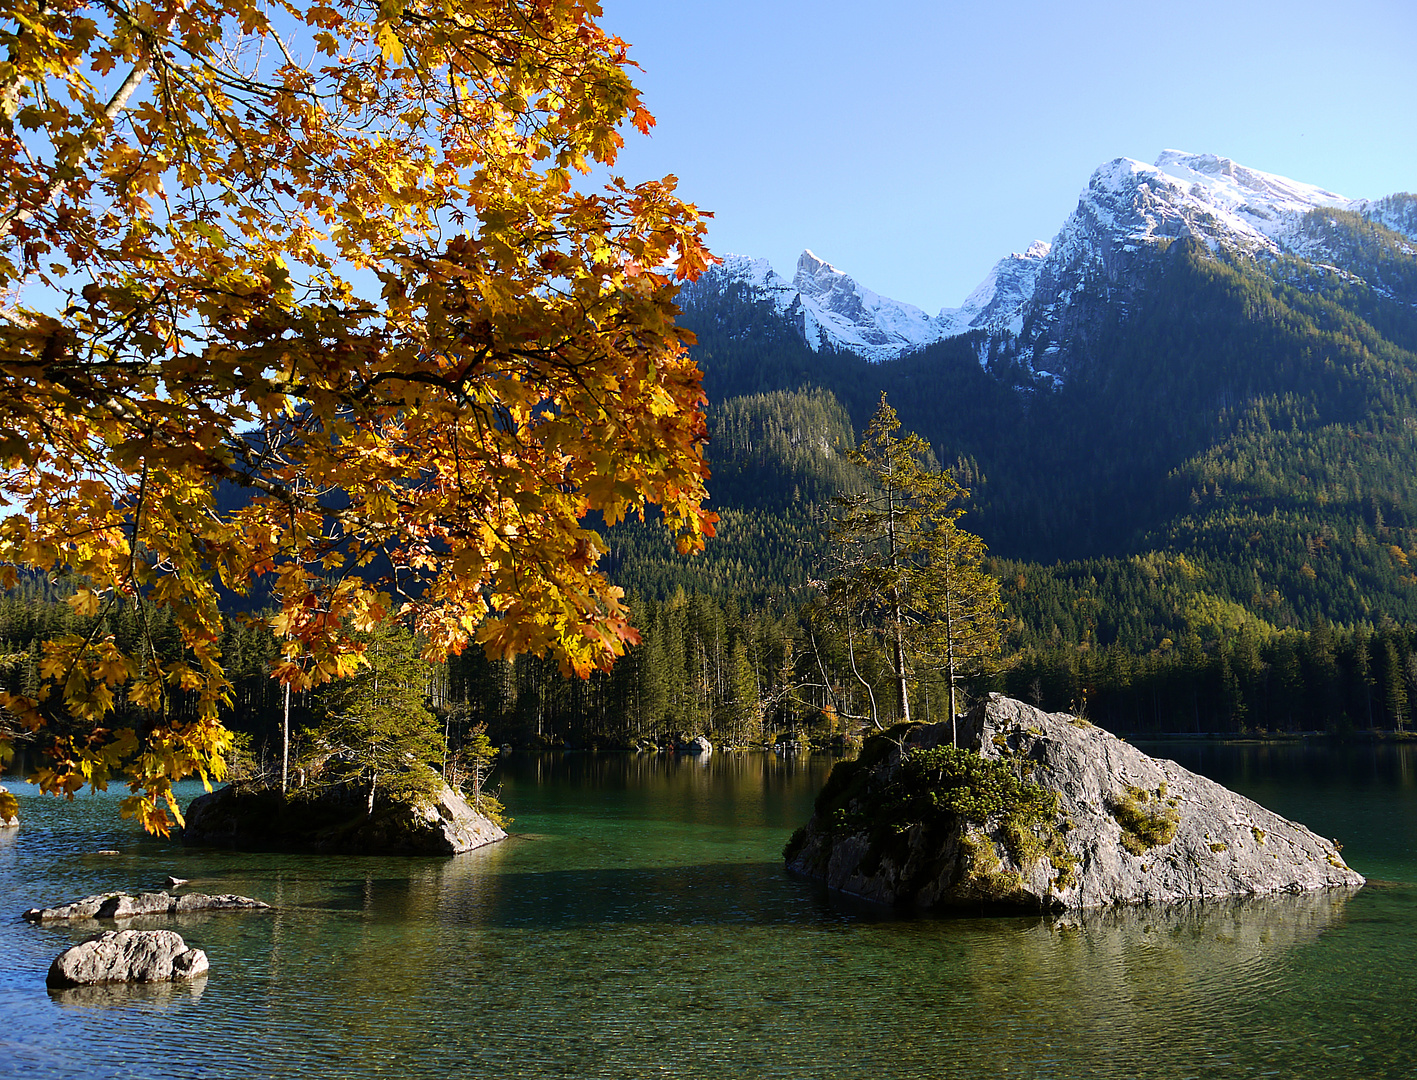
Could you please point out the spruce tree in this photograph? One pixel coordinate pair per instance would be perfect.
(906, 576)
(375, 729)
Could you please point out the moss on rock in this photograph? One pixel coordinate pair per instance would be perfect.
(943, 789)
(1148, 819)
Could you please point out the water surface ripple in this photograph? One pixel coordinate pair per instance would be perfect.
(639, 924)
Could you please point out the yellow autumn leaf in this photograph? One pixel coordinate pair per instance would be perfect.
(85, 602)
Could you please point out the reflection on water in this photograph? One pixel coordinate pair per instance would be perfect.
(141, 997)
(639, 923)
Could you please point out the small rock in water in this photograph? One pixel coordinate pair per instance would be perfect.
(697, 745)
(107, 851)
(442, 823)
(175, 882)
(127, 956)
(123, 906)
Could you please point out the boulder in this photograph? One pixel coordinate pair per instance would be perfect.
(1110, 825)
(699, 744)
(126, 956)
(338, 822)
(119, 905)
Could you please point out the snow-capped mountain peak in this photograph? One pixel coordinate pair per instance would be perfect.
(1200, 195)
(830, 309)
(856, 318)
(1049, 297)
(1266, 203)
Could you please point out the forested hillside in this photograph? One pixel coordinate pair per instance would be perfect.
(1230, 465)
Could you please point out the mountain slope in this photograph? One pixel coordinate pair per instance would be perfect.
(1208, 362)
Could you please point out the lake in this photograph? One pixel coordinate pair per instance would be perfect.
(639, 924)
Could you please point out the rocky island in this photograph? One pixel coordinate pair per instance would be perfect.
(336, 821)
(1043, 811)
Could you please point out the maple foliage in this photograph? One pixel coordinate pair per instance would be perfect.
(328, 254)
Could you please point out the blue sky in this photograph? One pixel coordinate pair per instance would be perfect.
(912, 144)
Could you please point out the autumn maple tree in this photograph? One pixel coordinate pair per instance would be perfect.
(332, 262)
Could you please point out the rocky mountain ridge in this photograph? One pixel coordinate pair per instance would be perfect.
(1041, 303)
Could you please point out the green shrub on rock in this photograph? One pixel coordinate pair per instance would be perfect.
(941, 788)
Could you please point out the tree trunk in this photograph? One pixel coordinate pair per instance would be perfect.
(285, 742)
(950, 662)
(871, 693)
(902, 689)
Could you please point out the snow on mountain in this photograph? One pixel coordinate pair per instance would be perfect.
(1129, 207)
(1248, 202)
(999, 302)
(758, 275)
(853, 317)
(830, 309)
(1396, 212)
(1045, 297)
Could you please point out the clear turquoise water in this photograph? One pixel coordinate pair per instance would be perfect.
(639, 924)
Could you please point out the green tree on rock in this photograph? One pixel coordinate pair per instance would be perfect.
(376, 730)
(906, 576)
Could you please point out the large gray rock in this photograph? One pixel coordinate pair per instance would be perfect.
(122, 906)
(336, 822)
(1188, 838)
(699, 744)
(127, 956)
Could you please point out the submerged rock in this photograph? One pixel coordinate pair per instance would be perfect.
(1070, 817)
(119, 905)
(336, 822)
(122, 956)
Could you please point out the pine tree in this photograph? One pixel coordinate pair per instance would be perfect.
(906, 576)
(1395, 683)
(745, 707)
(375, 728)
